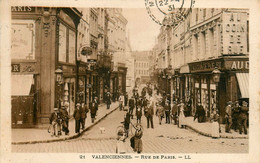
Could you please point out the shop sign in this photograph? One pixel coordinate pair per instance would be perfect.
(240, 65)
(22, 9)
(205, 66)
(15, 67)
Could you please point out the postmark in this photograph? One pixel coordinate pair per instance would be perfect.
(168, 12)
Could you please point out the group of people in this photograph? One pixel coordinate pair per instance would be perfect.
(59, 119)
(236, 117)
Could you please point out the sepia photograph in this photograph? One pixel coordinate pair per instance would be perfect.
(163, 81)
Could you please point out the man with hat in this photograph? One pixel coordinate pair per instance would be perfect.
(167, 110)
(228, 116)
(174, 112)
(65, 120)
(108, 99)
(83, 112)
(77, 116)
(243, 118)
(55, 121)
(149, 113)
(235, 115)
(131, 105)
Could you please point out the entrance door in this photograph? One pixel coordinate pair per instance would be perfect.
(22, 111)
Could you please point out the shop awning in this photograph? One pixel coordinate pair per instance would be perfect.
(21, 84)
(243, 81)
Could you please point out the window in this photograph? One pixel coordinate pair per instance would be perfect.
(23, 39)
(67, 43)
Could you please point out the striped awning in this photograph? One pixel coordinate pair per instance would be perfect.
(243, 81)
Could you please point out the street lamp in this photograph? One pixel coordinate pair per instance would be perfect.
(59, 80)
(216, 78)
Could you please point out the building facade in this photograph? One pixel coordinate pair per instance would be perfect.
(207, 39)
(62, 56)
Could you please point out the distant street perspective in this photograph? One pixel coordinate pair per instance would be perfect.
(113, 80)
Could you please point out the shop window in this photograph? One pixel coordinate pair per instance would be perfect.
(23, 39)
(67, 43)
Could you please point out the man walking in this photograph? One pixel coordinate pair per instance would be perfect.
(131, 105)
(65, 120)
(83, 112)
(77, 116)
(174, 112)
(149, 113)
(93, 110)
(228, 116)
(167, 109)
(243, 118)
(108, 99)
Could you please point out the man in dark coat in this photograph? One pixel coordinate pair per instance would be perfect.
(127, 122)
(131, 105)
(200, 113)
(93, 110)
(108, 99)
(149, 113)
(228, 116)
(174, 112)
(83, 112)
(126, 99)
(167, 110)
(235, 116)
(77, 116)
(65, 120)
(243, 118)
(138, 114)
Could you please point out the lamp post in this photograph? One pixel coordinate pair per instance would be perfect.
(59, 80)
(216, 78)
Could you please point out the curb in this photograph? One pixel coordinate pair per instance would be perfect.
(66, 138)
(209, 135)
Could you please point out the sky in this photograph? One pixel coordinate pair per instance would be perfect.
(141, 29)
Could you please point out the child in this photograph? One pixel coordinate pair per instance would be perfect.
(120, 145)
(56, 121)
(138, 114)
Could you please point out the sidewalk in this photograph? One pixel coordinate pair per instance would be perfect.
(205, 129)
(38, 135)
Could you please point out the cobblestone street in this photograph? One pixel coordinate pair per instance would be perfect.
(165, 138)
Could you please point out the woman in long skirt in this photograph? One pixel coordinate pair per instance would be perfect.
(181, 116)
(215, 125)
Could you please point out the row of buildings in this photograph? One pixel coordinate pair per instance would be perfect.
(64, 56)
(205, 58)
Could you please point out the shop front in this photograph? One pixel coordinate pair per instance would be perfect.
(231, 86)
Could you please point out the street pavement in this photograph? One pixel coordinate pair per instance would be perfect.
(165, 138)
(34, 135)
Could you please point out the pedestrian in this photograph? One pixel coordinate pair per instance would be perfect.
(93, 110)
(243, 118)
(131, 105)
(77, 117)
(235, 115)
(108, 99)
(126, 99)
(181, 115)
(215, 124)
(121, 102)
(228, 117)
(159, 112)
(138, 144)
(56, 121)
(149, 112)
(138, 114)
(96, 103)
(83, 112)
(120, 145)
(200, 113)
(127, 123)
(174, 112)
(167, 109)
(65, 120)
